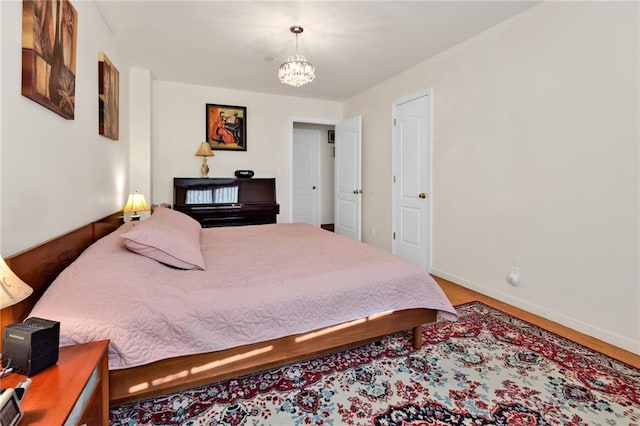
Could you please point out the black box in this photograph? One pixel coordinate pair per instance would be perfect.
(31, 346)
(244, 174)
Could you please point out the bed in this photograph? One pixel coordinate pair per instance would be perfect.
(265, 295)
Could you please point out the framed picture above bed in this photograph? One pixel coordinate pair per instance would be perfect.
(49, 40)
(226, 127)
(108, 98)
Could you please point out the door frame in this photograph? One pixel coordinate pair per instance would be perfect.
(394, 107)
(303, 120)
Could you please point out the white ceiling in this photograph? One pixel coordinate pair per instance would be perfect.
(354, 45)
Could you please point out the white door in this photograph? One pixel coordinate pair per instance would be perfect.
(306, 157)
(412, 179)
(348, 179)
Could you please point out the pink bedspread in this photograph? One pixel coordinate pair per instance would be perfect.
(262, 282)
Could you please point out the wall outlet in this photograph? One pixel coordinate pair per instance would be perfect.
(514, 276)
(373, 231)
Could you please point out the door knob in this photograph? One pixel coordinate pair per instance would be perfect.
(313, 187)
(357, 191)
(422, 195)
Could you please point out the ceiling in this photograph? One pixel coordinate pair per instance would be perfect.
(354, 45)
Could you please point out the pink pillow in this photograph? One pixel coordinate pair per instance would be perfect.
(168, 236)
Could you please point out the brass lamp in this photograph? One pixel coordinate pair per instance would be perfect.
(204, 151)
(12, 289)
(136, 203)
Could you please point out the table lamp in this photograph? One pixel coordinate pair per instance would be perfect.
(12, 289)
(136, 203)
(204, 151)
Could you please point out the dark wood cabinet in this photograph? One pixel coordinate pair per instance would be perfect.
(227, 201)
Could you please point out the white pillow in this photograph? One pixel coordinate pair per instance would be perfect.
(167, 236)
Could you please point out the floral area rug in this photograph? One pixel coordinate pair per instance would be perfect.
(488, 368)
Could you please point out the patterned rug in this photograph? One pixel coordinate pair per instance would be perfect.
(488, 368)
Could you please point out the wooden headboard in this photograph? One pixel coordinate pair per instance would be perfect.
(40, 265)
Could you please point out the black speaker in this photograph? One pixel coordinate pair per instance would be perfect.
(244, 174)
(31, 345)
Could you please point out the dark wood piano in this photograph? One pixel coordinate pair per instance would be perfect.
(227, 201)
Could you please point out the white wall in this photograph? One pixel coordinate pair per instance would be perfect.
(178, 119)
(58, 174)
(140, 134)
(536, 163)
(1, 123)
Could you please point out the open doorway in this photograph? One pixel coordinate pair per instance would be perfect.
(312, 173)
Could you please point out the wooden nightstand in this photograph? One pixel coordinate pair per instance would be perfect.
(57, 395)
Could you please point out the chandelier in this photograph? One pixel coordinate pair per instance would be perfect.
(296, 71)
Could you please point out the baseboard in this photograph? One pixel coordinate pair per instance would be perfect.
(599, 333)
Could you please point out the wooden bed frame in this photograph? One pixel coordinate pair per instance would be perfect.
(40, 265)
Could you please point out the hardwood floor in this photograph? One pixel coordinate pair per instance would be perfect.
(458, 295)
(328, 227)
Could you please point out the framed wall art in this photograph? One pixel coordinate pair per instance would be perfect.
(108, 98)
(49, 39)
(227, 127)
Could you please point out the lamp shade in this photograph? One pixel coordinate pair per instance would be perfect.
(12, 288)
(205, 150)
(136, 203)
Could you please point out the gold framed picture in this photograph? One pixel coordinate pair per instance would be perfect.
(108, 98)
(49, 40)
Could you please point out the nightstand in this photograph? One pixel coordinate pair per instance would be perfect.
(74, 391)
